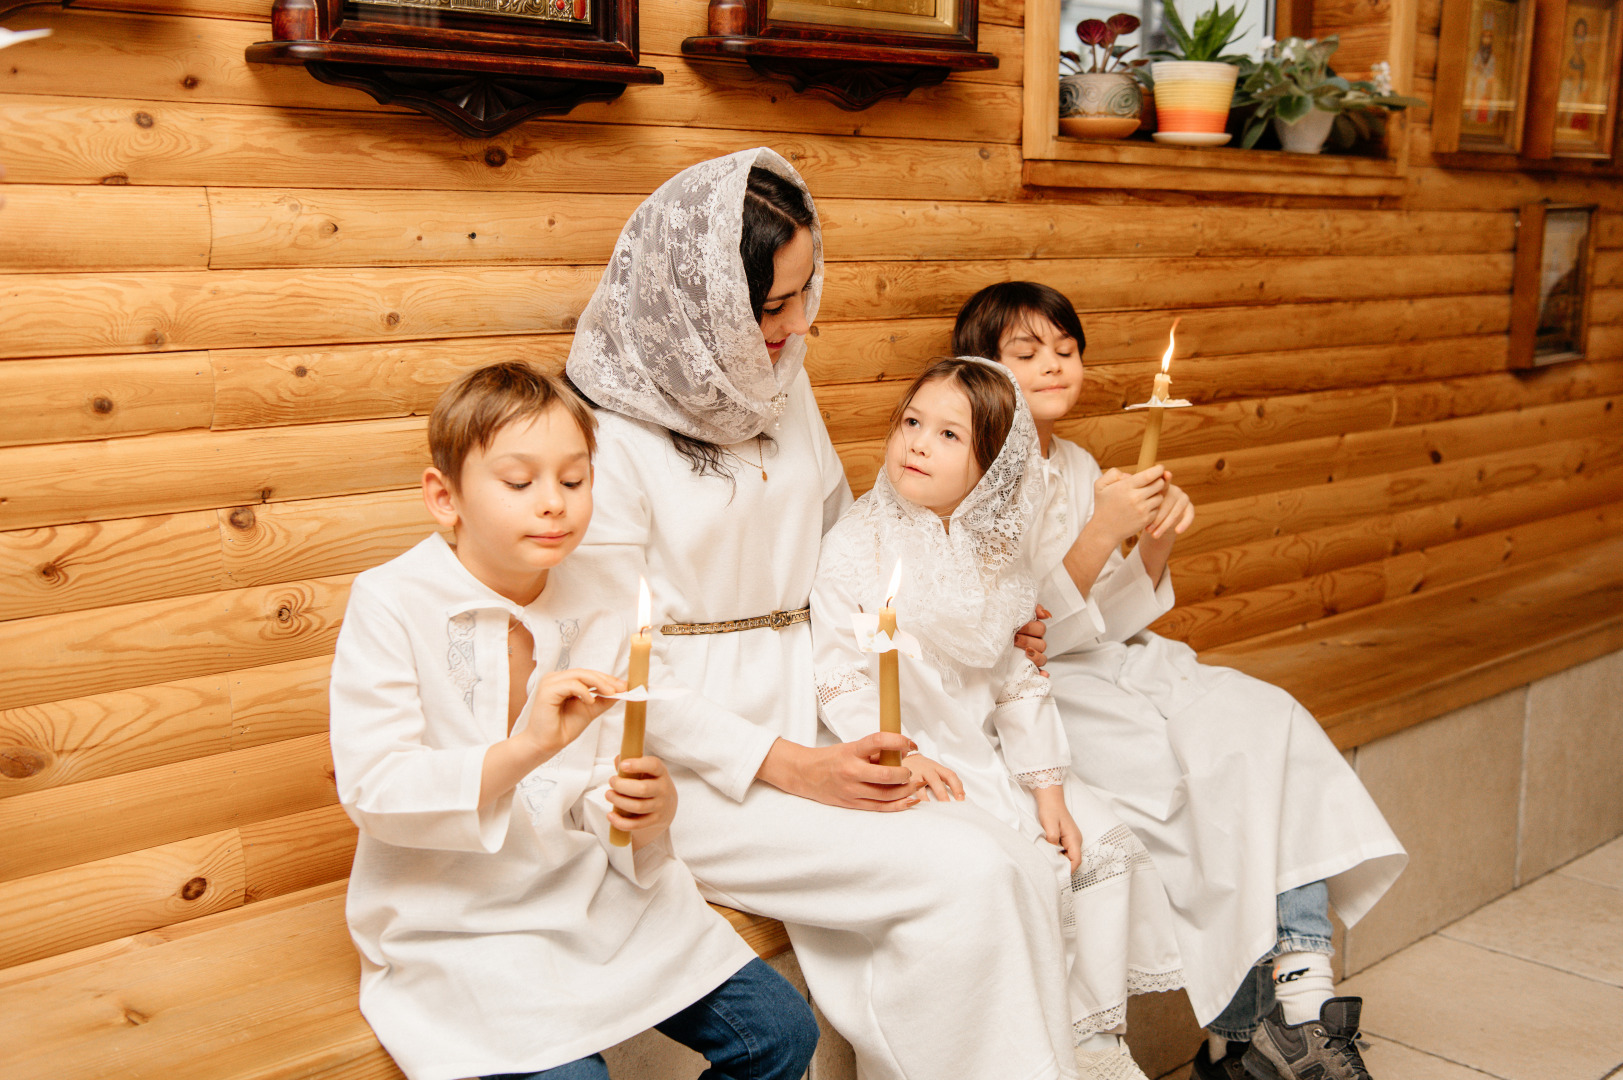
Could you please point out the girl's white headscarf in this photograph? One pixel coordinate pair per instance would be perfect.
(669, 336)
(965, 589)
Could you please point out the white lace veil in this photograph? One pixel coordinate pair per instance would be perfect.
(967, 588)
(669, 336)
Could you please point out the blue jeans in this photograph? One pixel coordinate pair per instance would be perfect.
(1304, 926)
(754, 1026)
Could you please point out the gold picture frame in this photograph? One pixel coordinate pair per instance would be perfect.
(896, 16)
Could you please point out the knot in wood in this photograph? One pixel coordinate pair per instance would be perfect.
(189, 82)
(194, 888)
(156, 338)
(102, 405)
(300, 372)
(1436, 457)
(986, 155)
(134, 1017)
(495, 157)
(284, 614)
(143, 120)
(117, 179)
(1220, 465)
(242, 518)
(393, 318)
(473, 236)
(21, 762)
(52, 574)
(329, 227)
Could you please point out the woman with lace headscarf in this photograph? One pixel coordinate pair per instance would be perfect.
(930, 938)
(951, 514)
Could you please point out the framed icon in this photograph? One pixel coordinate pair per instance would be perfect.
(1586, 103)
(1550, 287)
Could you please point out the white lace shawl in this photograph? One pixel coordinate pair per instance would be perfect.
(669, 336)
(967, 589)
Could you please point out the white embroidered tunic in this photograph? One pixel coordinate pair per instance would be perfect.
(1230, 783)
(512, 939)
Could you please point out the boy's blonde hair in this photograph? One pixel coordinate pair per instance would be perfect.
(479, 404)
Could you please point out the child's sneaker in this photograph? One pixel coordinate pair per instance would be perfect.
(1322, 1049)
(1229, 1068)
(1114, 1064)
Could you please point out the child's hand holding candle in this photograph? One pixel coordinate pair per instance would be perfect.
(642, 645)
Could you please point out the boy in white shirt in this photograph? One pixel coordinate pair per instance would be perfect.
(1253, 819)
(500, 933)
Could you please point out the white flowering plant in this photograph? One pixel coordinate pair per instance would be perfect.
(1288, 79)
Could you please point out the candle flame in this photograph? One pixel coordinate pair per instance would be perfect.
(895, 584)
(644, 605)
(1172, 342)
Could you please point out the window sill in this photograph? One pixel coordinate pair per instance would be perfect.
(1060, 161)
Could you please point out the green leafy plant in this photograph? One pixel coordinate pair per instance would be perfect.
(1289, 79)
(1100, 35)
(1214, 30)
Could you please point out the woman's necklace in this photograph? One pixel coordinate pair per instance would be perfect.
(761, 464)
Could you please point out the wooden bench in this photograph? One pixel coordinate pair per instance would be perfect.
(265, 988)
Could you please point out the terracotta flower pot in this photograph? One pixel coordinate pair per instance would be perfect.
(1193, 97)
(1099, 105)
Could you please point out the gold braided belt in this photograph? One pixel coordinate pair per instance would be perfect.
(777, 621)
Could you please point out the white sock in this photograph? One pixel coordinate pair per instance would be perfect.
(1217, 1047)
(1303, 983)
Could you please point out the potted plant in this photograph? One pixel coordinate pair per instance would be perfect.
(1099, 97)
(1292, 84)
(1194, 84)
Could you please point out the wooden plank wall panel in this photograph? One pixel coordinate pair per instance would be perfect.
(239, 292)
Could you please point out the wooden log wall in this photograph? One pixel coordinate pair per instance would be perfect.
(230, 293)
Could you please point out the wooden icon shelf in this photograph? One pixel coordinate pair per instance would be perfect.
(477, 74)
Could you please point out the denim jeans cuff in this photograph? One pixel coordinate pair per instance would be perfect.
(1233, 1036)
(1300, 943)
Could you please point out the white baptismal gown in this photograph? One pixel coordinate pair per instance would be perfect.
(930, 938)
(1232, 786)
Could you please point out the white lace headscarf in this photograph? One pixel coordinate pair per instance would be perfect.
(965, 589)
(669, 336)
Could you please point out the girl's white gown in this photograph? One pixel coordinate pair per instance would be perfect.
(1232, 786)
(975, 704)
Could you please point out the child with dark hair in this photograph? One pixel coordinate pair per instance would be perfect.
(953, 505)
(1254, 820)
(500, 932)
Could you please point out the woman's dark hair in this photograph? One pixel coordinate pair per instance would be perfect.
(991, 403)
(987, 315)
(774, 210)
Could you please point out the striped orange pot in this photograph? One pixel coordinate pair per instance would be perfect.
(1193, 95)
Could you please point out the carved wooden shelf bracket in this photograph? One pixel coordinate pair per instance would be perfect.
(468, 69)
(852, 66)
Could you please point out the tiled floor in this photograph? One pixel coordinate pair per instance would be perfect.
(1529, 987)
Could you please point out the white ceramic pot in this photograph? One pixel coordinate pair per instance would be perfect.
(1307, 135)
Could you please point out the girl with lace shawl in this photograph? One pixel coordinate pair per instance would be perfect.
(952, 504)
(715, 479)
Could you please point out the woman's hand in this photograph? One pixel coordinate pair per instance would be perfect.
(1032, 638)
(642, 799)
(1059, 828)
(1124, 504)
(941, 781)
(845, 774)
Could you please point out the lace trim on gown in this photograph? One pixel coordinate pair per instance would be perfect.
(842, 680)
(1043, 778)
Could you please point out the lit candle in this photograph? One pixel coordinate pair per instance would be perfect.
(890, 689)
(642, 644)
(1162, 392)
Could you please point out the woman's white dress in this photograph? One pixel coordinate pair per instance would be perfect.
(1232, 786)
(930, 938)
(997, 729)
